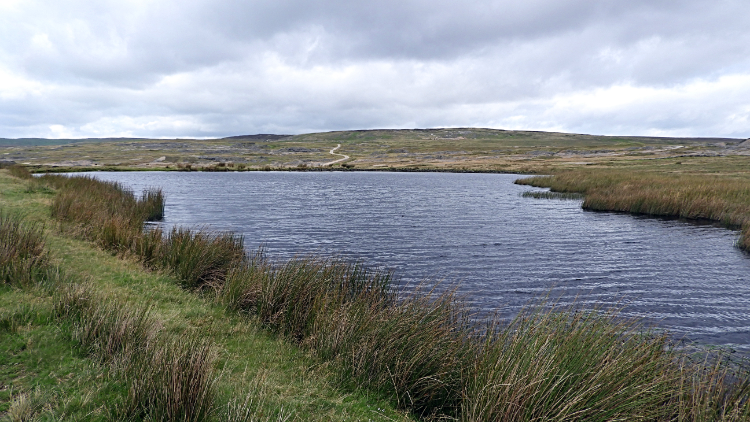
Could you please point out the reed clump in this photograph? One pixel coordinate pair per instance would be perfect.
(103, 212)
(714, 388)
(19, 171)
(173, 380)
(553, 365)
(23, 257)
(417, 349)
(105, 330)
(718, 198)
(413, 348)
(169, 378)
(197, 258)
(113, 217)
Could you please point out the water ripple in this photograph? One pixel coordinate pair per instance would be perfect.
(476, 229)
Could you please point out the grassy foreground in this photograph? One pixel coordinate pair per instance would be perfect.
(210, 326)
(62, 356)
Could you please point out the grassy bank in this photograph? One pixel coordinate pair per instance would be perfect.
(724, 198)
(66, 362)
(414, 350)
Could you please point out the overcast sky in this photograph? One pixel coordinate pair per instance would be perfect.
(205, 68)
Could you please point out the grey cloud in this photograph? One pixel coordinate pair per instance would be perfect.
(230, 67)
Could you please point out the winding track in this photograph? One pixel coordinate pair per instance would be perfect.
(346, 157)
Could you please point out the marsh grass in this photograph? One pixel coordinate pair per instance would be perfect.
(169, 378)
(410, 348)
(197, 258)
(715, 388)
(19, 171)
(113, 217)
(719, 198)
(421, 348)
(23, 257)
(552, 195)
(103, 212)
(417, 349)
(567, 365)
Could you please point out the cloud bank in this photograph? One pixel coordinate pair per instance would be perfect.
(199, 68)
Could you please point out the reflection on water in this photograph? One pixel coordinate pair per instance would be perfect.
(476, 229)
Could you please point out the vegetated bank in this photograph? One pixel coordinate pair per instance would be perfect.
(87, 335)
(419, 349)
(721, 198)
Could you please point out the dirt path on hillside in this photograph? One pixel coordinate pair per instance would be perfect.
(332, 152)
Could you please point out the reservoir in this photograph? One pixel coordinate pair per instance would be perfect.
(505, 251)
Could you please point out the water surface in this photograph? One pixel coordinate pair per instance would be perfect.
(476, 229)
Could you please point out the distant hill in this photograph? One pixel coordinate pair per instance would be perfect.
(29, 142)
(259, 137)
(438, 133)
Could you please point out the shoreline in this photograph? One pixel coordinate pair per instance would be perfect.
(418, 351)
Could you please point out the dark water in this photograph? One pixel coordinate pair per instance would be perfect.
(476, 229)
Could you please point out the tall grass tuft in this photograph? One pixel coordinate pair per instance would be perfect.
(169, 378)
(199, 258)
(289, 297)
(19, 171)
(22, 253)
(417, 349)
(173, 380)
(557, 366)
(713, 388)
(104, 329)
(148, 246)
(414, 348)
(104, 212)
(152, 202)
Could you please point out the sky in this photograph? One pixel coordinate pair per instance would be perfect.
(214, 68)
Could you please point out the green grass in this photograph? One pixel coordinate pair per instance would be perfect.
(42, 375)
